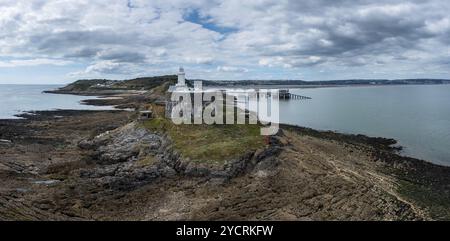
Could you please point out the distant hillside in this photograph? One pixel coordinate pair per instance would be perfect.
(146, 83)
(252, 82)
(325, 83)
(103, 86)
(86, 84)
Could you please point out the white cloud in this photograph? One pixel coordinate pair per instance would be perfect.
(32, 62)
(199, 59)
(231, 69)
(440, 26)
(152, 36)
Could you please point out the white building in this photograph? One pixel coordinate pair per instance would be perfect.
(181, 78)
(180, 86)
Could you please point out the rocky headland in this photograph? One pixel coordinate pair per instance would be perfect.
(107, 165)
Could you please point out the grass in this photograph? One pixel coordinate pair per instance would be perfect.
(147, 82)
(209, 143)
(436, 202)
(433, 198)
(147, 161)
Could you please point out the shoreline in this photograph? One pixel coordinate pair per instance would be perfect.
(393, 143)
(120, 101)
(44, 159)
(116, 101)
(294, 86)
(92, 99)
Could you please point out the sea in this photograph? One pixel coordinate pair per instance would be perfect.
(17, 99)
(417, 116)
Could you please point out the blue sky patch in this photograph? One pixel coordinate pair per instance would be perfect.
(194, 16)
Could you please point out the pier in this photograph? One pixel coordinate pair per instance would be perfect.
(284, 94)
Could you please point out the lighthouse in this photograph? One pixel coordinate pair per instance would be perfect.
(181, 78)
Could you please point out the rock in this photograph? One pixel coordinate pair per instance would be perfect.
(194, 171)
(118, 152)
(46, 182)
(5, 142)
(123, 144)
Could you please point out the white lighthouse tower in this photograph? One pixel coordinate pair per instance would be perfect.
(181, 78)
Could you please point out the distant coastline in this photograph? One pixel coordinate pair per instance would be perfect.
(327, 83)
(112, 87)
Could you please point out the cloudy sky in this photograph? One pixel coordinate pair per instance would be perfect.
(58, 41)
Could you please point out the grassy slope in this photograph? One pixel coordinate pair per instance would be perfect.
(146, 82)
(84, 85)
(205, 143)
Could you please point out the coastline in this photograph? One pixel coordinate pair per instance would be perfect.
(303, 86)
(404, 182)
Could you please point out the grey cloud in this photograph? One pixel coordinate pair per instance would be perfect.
(114, 38)
(345, 29)
(70, 39)
(108, 67)
(122, 56)
(83, 53)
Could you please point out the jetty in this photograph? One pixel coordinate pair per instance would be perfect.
(285, 94)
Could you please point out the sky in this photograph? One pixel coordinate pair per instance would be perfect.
(59, 41)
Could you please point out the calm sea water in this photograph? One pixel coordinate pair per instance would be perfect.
(418, 117)
(15, 99)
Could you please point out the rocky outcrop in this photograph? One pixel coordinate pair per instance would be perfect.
(124, 144)
(120, 154)
(226, 170)
(302, 175)
(132, 156)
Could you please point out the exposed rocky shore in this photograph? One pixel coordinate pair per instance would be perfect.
(104, 165)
